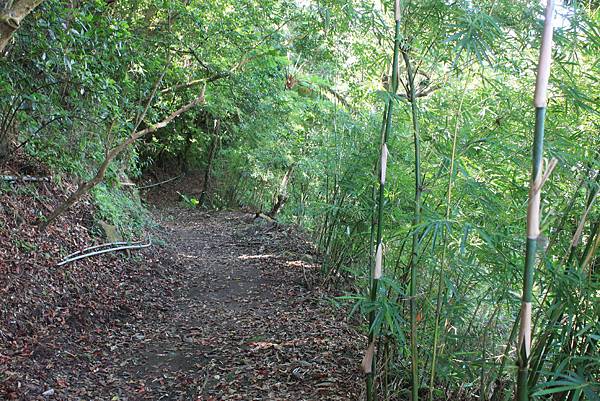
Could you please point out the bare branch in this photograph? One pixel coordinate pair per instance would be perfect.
(114, 152)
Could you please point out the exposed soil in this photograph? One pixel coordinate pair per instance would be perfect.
(249, 323)
(223, 307)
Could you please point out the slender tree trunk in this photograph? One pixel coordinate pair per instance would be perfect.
(282, 195)
(533, 212)
(12, 14)
(209, 164)
(185, 154)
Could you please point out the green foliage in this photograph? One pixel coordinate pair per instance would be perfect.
(300, 85)
(189, 201)
(121, 209)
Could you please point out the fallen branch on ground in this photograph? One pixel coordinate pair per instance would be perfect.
(118, 248)
(102, 246)
(23, 178)
(265, 217)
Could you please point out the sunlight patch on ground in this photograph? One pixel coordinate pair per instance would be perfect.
(246, 257)
(184, 255)
(299, 263)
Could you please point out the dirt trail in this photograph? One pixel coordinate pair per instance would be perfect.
(248, 322)
(221, 308)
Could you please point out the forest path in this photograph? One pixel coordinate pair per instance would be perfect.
(247, 324)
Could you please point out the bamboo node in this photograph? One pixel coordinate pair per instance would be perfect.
(525, 329)
(384, 156)
(367, 361)
(538, 184)
(378, 262)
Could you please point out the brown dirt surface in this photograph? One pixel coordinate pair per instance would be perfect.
(222, 307)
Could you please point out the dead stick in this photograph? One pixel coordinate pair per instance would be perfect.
(102, 246)
(160, 183)
(119, 248)
(24, 178)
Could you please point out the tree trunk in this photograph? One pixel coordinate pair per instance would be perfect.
(5, 141)
(185, 154)
(12, 13)
(282, 196)
(416, 251)
(211, 157)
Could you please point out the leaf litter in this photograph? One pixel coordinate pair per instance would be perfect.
(227, 309)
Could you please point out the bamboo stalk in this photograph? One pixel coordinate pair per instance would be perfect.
(533, 211)
(414, 257)
(369, 362)
(440, 284)
(591, 249)
(374, 199)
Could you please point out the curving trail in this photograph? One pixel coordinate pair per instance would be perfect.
(221, 308)
(248, 324)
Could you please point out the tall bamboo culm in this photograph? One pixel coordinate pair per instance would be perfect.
(369, 361)
(538, 177)
(442, 268)
(414, 257)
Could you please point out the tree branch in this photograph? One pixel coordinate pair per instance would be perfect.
(421, 93)
(10, 19)
(114, 152)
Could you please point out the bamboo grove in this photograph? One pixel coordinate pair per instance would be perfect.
(459, 223)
